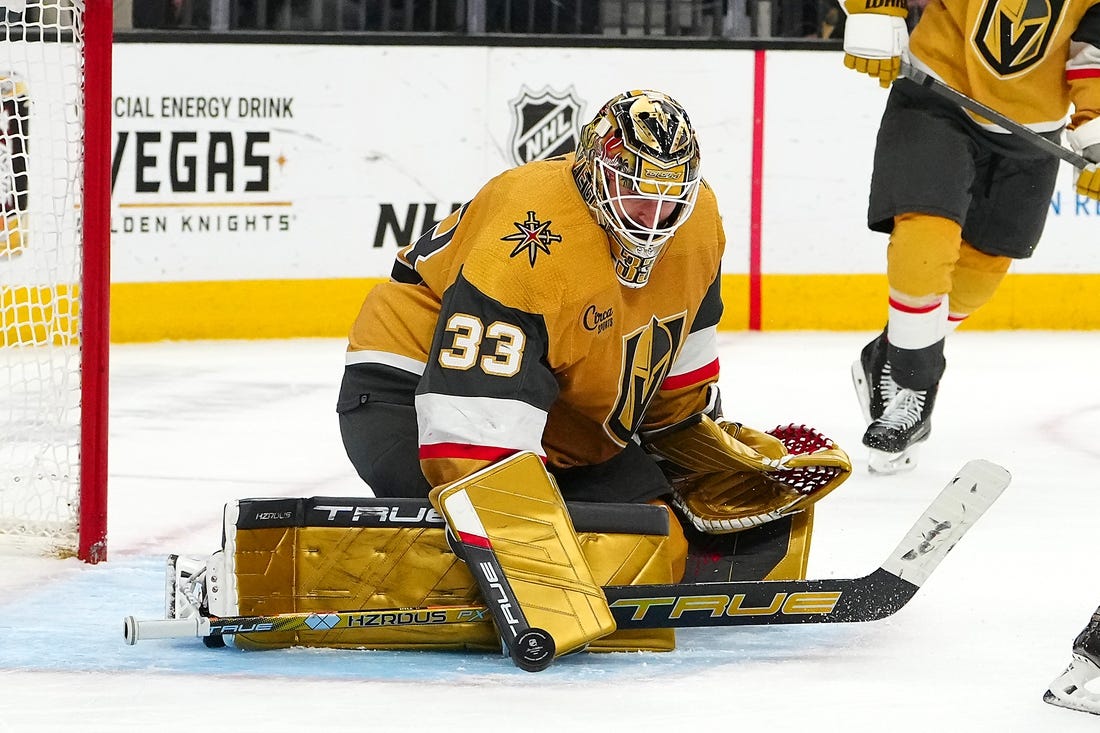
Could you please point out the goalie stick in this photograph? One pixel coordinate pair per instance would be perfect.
(739, 603)
(531, 648)
(928, 81)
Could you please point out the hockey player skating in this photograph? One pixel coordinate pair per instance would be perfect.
(1071, 688)
(959, 196)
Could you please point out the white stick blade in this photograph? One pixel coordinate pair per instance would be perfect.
(961, 503)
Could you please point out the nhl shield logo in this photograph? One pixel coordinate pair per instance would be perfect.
(544, 124)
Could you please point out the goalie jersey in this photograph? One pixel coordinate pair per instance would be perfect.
(506, 326)
(1028, 59)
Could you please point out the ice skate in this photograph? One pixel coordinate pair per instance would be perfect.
(196, 586)
(1069, 689)
(895, 436)
(1072, 688)
(185, 587)
(872, 381)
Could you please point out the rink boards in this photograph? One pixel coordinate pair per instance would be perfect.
(257, 194)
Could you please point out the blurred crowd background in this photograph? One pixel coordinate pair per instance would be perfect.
(695, 19)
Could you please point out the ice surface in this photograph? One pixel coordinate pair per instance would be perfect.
(194, 425)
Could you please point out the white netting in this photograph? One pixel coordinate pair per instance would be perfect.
(41, 143)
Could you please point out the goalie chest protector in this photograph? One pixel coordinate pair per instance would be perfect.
(325, 554)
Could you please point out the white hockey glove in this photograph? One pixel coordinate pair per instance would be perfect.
(1085, 141)
(876, 37)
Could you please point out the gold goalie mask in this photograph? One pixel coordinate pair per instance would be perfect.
(637, 168)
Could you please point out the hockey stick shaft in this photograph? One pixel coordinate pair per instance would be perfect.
(679, 605)
(928, 81)
(135, 630)
(531, 649)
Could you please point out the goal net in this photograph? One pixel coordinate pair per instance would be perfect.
(55, 73)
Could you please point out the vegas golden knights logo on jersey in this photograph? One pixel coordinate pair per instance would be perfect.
(647, 359)
(1013, 35)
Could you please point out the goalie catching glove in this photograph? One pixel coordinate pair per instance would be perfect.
(876, 37)
(727, 477)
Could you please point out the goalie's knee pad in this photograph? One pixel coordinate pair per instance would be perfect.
(921, 257)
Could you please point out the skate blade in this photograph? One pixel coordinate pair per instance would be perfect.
(863, 390)
(1069, 691)
(886, 464)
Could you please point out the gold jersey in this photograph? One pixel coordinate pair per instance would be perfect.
(509, 325)
(1028, 59)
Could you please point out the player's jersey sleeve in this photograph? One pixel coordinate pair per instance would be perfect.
(486, 389)
(684, 391)
(1083, 68)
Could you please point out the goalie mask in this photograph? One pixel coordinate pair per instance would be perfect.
(637, 168)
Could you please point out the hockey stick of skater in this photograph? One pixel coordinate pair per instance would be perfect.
(739, 603)
(926, 80)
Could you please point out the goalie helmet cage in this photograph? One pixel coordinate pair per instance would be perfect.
(55, 90)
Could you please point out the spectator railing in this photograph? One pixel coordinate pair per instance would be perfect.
(687, 19)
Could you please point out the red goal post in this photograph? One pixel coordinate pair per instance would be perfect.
(55, 142)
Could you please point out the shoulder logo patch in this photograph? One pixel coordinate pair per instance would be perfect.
(531, 236)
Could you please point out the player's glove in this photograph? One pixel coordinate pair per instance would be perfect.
(1085, 140)
(1088, 180)
(727, 477)
(875, 37)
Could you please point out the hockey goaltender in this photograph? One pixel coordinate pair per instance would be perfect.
(532, 399)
